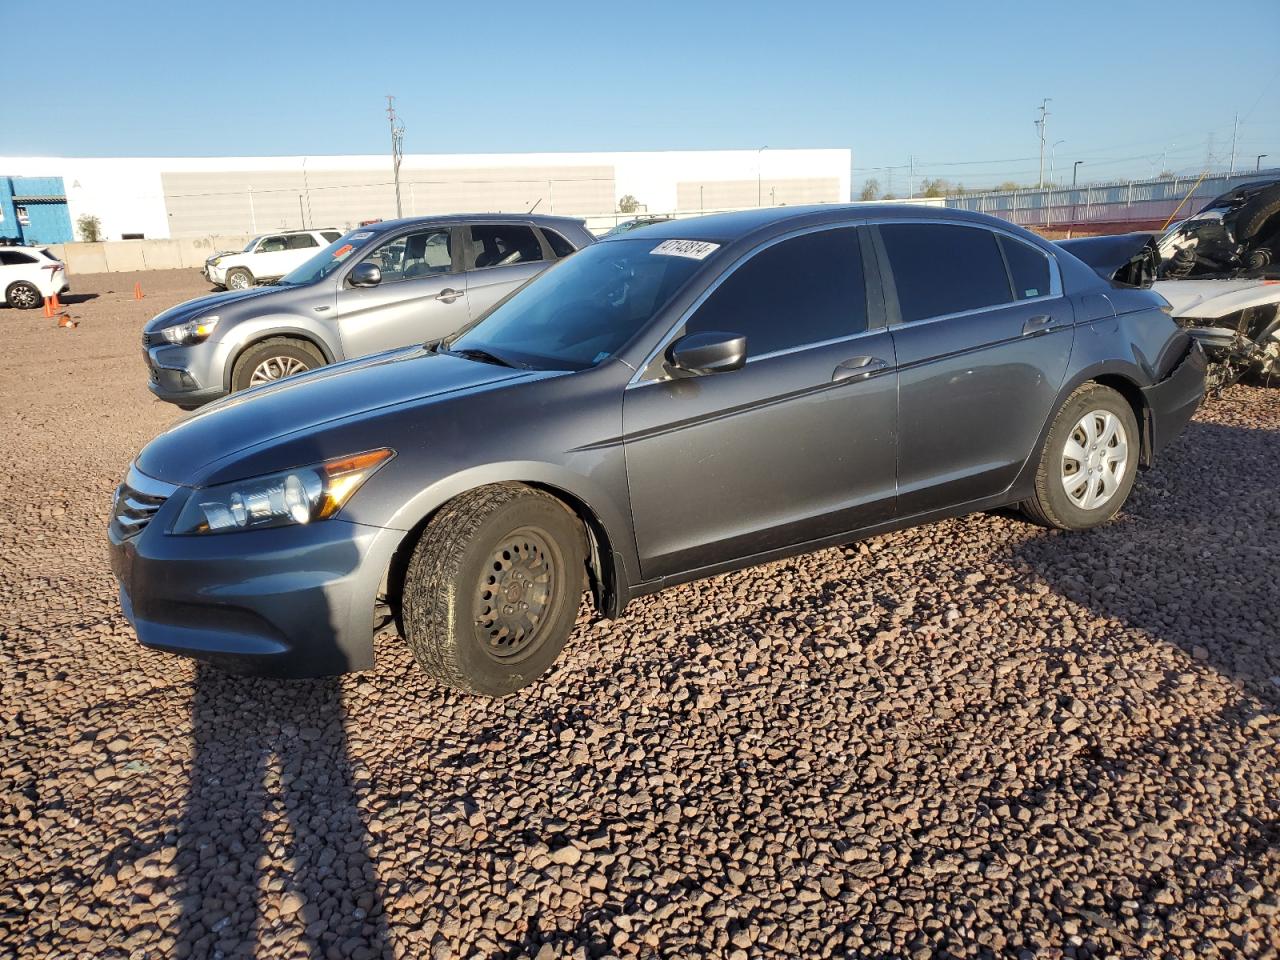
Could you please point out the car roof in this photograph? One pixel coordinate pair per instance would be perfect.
(743, 224)
(451, 218)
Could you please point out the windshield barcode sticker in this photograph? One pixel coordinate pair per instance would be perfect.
(693, 249)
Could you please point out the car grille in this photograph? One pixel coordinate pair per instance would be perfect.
(151, 339)
(136, 501)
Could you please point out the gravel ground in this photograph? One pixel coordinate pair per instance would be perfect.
(976, 739)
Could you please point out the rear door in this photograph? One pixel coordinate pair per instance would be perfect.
(796, 445)
(299, 248)
(270, 261)
(982, 335)
(422, 295)
(499, 258)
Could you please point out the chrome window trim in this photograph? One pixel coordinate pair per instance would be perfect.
(1055, 273)
(669, 336)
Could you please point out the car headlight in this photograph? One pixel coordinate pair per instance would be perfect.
(279, 499)
(193, 331)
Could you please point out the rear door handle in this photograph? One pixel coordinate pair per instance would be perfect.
(858, 368)
(448, 294)
(1037, 324)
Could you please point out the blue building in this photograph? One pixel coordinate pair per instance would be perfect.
(34, 210)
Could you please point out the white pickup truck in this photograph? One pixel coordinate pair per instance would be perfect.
(268, 256)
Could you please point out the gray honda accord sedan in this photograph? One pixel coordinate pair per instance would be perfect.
(688, 398)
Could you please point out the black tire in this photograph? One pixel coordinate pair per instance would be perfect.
(1253, 216)
(23, 295)
(239, 279)
(286, 350)
(1051, 505)
(455, 633)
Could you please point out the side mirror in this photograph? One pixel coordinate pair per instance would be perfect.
(708, 352)
(365, 275)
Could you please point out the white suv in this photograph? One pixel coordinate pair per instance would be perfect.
(28, 275)
(268, 256)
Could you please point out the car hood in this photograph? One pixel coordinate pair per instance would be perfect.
(1213, 299)
(201, 306)
(192, 449)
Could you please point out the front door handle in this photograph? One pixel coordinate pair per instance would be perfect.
(448, 295)
(858, 368)
(1037, 324)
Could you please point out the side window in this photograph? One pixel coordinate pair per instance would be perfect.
(501, 245)
(941, 268)
(271, 245)
(797, 292)
(423, 254)
(301, 241)
(558, 244)
(330, 235)
(14, 259)
(1028, 267)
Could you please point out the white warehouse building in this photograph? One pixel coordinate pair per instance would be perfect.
(178, 197)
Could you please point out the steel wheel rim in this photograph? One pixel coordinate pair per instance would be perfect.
(1094, 460)
(24, 296)
(276, 368)
(515, 598)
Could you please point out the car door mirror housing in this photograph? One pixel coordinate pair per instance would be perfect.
(365, 275)
(709, 352)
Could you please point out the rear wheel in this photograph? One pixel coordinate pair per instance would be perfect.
(1089, 461)
(1255, 214)
(492, 590)
(239, 279)
(272, 360)
(23, 295)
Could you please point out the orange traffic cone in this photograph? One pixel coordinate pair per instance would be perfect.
(137, 291)
(48, 307)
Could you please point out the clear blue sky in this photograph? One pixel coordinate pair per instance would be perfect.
(955, 85)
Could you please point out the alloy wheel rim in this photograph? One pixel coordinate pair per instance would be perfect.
(24, 297)
(1094, 460)
(515, 596)
(276, 368)
(238, 282)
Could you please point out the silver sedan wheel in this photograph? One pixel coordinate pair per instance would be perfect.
(276, 368)
(1095, 459)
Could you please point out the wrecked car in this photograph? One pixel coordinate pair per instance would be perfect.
(1236, 320)
(1235, 234)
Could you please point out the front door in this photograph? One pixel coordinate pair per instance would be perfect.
(982, 346)
(422, 295)
(796, 445)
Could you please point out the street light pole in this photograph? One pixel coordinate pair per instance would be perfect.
(759, 188)
(1257, 165)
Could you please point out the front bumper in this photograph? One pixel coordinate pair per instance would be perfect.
(189, 376)
(285, 602)
(1173, 401)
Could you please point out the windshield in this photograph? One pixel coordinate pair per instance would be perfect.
(248, 247)
(582, 310)
(327, 260)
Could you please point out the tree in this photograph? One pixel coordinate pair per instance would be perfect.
(628, 204)
(870, 189)
(90, 228)
(935, 188)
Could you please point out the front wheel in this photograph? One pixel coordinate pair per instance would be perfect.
(23, 295)
(1089, 461)
(239, 279)
(492, 590)
(273, 360)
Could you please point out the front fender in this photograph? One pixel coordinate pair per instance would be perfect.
(245, 333)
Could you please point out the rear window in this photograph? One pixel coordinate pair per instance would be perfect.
(502, 245)
(558, 244)
(1028, 267)
(301, 241)
(330, 235)
(942, 268)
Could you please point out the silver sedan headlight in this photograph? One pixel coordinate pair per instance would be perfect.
(282, 499)
(192, 331)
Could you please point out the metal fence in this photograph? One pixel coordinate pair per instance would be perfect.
(1131, 202)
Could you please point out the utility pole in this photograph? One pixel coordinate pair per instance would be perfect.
(1235, 126)
(397, 147)
(1257, 164)
(911, 175)
(759, 182)
(1041, 124)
